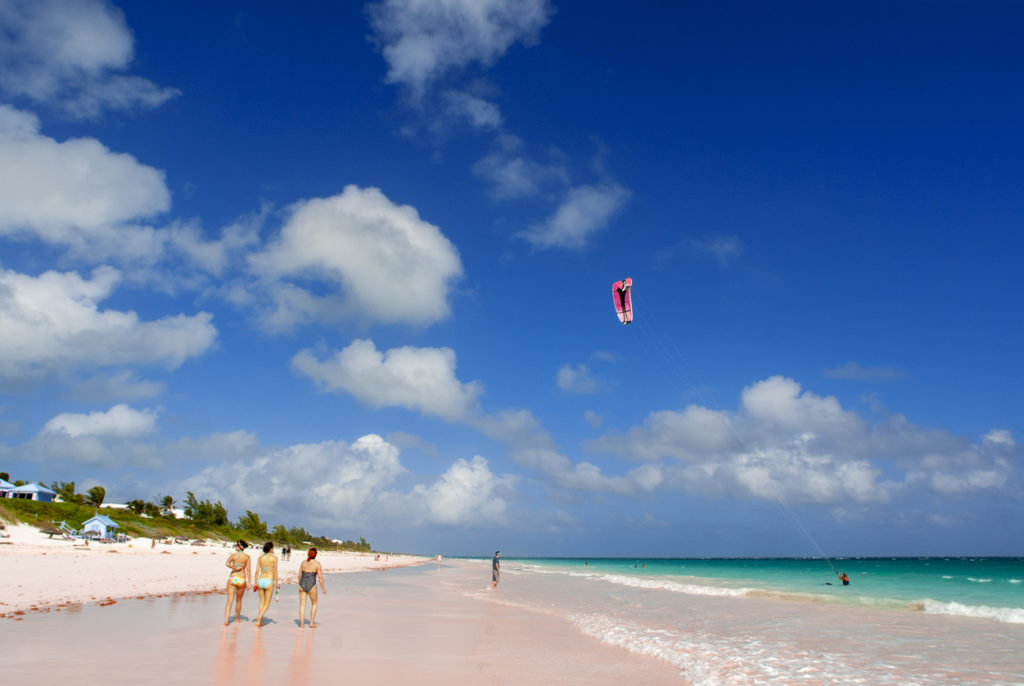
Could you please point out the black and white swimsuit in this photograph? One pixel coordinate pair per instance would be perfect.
(308, 581)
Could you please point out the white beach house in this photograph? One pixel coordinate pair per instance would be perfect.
(101, 524)
(5, 488)
(32, 492)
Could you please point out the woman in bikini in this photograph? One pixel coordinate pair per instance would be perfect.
(310, 572)
(238, 579)
(266, 580)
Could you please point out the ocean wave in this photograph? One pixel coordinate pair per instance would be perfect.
(1010, 615)
(979, 581)
(674, 586)
(1015, 581)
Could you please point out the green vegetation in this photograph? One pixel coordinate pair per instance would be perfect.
(203, 519)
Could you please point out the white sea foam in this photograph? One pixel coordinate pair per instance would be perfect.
(979, 581)
(1015, 581)
(674, 586)
(709, 660)
(1010, 615)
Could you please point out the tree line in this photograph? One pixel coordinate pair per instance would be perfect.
(203, 513)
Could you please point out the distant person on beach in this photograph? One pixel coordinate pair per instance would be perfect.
(239, 578)
(266, 579)
(495, 569)
(310, 572)
(439, 560)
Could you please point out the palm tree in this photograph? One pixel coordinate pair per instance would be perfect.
(167, 504)
(95, 496)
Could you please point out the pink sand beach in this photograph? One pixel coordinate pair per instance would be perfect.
(421, 623)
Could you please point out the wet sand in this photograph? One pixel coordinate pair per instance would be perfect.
(412, 624)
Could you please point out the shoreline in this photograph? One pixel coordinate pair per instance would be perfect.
(45, 575)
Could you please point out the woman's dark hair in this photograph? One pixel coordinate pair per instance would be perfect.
(311, 554)
(268, 546)
(242, 544)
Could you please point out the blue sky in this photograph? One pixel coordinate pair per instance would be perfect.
(350, 266)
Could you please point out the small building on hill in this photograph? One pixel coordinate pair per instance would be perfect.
(33, 492)
(101, 524)
(5, 488)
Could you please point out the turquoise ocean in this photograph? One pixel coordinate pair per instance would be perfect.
(940, 620)
(992, 588)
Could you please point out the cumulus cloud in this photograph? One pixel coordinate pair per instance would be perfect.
(378, 261)
(72, 54)
(53, 323)
(852, 370)
(584, 211)
(468, 493)
(333, 481)
(120, 420)
(77, 193)
(790, 444)
(422, 41)
(424, 380)
(420, 379)
(337, 484)
(579, 379)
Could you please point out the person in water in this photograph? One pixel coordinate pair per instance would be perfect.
(266, 579)
(310, 572)
(845, 579)
(239, 578)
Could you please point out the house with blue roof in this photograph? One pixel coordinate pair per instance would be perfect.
(5, 488)
(101, 524)
(33, 492)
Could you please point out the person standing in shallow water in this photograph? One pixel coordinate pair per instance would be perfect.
(266, 579)
(310, 572)
(239, 578)
(495, 569)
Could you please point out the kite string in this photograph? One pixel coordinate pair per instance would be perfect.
(679, 366)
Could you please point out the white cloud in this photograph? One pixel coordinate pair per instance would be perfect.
(421, 379)
(778, 402)
(584, 211)
(387, 264)
(78, 193)
(424, 380)
(422, 40)
(999, 437)
(467, 494)
(70, 54)
(52, 323)
(332, 482)
(119, 420)
(578, 379)
(790, 444)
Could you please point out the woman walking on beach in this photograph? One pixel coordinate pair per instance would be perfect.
(238, 580)
(310, 572)
(266, 579)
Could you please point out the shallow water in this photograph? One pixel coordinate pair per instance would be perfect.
(742, 622)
